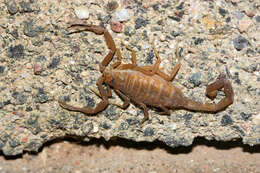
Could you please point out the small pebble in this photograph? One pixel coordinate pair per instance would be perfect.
(226, 120)
(25, 7)
(257, 18)
(19, 114)
(24, 139)
(111, 6)
(238, 15)
(174, 34)
(148, 131)
(37, 68)
(222, 12)
(16, 52)
(2, 69)
(240, 43)
(95, 128)
(27, 88)
(140, 22)
(162, 38)
(30, 29)
(244, 25)
(195, 79)
(122, 15)
(41, 96)
(249, 13)
(82, 13)
(20, 97)
(116, 26)
(12, 7)
(54, 62)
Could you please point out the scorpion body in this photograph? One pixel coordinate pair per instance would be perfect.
(150, 90)
(146, 85)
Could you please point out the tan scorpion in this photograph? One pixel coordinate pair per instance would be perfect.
(145, 85)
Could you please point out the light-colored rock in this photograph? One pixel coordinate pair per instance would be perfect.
(244, 25)
(82, 12)
(122, 15)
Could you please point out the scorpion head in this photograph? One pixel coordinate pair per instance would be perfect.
(114, 78)
(108, 76)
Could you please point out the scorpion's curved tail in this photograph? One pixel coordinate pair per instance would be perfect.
(211, 92)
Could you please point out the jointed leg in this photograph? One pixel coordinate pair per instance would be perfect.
(155, 68)
(88, 110)
(124, 98)
(148, 70)
(158, 61)
(146, 114)
(119, 93)
(120, 66)
(175, 69)
(133, 54)
(119, 59)
(165, 111)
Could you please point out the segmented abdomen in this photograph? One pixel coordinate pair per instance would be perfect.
(150, 90)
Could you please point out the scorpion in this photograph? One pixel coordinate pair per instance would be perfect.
(145, 85)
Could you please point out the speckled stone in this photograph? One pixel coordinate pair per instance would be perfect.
(257, 18)
(140, 22)
(54, 62)
(2, 69)
(226, 120)
(195, 79)
(36, 32)
(12, 7)
(20, 98)
(41, 96)
(240, 43)
(16, 52)
(25, 7)
(29, 29)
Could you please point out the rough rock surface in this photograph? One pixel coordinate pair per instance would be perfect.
(40, 62)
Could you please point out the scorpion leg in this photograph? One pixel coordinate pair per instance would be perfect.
(165, 111)
(88, 110)
(118, 92)
(155, 67)
(118, 65)
(158, 61)
(148, 71)
(175, 69)
(133, 53)
(151, 70)
(109, 93)
(133, 65)
(119, 59)
(124, 98)
(146, 114)
(96, 91)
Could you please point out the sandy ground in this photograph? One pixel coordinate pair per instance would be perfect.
(126, 156)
